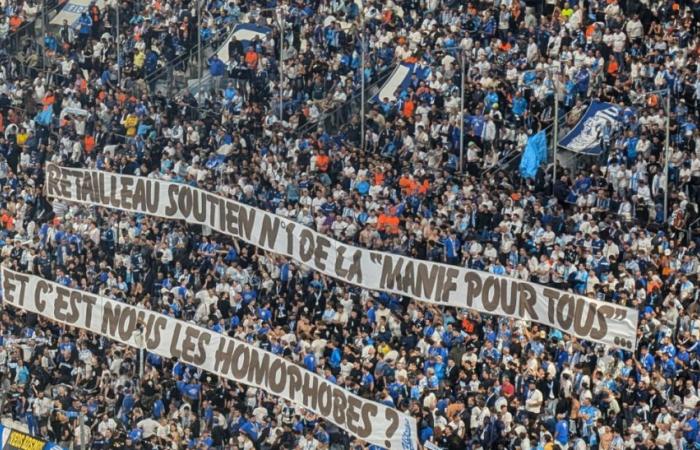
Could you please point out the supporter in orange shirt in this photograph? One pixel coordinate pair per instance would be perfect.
(613, 67)
(15, 22)
(49, 99)
(408, 107)
(8, 222)
(322, 161)
(392, 225)
(251, 58)
(378, 178)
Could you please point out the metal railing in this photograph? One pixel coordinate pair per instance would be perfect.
(691, 227)
(340, 113)
(505, 163)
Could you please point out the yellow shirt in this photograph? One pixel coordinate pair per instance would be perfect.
(139, 59)
(130, 123)
(22, 138)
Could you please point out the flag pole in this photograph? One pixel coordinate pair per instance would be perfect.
(555, 131)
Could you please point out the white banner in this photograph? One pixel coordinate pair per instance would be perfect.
(424, 281)
(72, 11)
(214, 352)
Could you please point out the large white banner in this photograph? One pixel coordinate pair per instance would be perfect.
(424, 281)
(72, 11)
(214, 352)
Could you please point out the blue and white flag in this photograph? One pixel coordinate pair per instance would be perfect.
(72, 10)
(245, 33)
(398, 81)
(534, 155)
(586, 136)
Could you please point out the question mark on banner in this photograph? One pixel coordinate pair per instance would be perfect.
(393, 416)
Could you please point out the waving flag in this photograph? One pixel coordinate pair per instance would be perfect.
(45, 117)
(534, 155)
(586, 136)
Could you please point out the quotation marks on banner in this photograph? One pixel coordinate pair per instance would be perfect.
(621, 314)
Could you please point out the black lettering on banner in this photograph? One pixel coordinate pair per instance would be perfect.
(175, 351)
(8, 288)
(127, 323)
(73, 315)
(246, 222)
(491, 293)
(240, 361)
(339, 257)
(449, 285)
(126, 194)
(393, 417)
(583, 320)
(184, 202)
(199, 208)
(20, 441)
(76, 182)
(309, 391)
(216, 208)
(325, 399)
(141, 316)
(104, 194)
(391, 273)
(111, 313)
(60, 303)
(189, 344)
(565, 312)
(113, 190)
(602, 315)
(268, 232)
(232, 218)
(551, 295)
(149, 322)
(53, 175)
(65, 185)
(528, 298)
(426, 279)
(294, 380)
(42, 287)
(277, 378)
(222, 357)
(408, 279)
(290, 237)
(258, 368)
(353, 414)
(306, 245)
(355, 270)
(339, 405)
(369, 410)
(509, 302)
(320, 252)
(171, 207)
(87, 190)
(138, 199)
(95, 187)
(473, 281)
(152, 197)
(202, 343)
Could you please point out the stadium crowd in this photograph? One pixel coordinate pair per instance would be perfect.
(471, 380)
